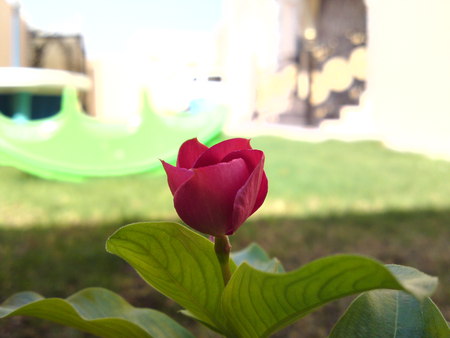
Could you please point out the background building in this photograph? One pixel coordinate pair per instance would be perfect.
(14, 37)
(25, 91)
(330, 68)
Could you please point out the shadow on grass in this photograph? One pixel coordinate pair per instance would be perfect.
(59, 262)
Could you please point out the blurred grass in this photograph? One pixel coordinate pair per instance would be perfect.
(305, 179)
(324, 198)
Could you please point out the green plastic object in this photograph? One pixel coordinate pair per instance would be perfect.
(72, 146)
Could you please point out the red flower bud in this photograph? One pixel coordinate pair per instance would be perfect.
(216, 189)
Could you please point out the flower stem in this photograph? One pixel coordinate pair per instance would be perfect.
(222, 247)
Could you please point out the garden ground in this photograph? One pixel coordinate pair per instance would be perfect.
(324, 198)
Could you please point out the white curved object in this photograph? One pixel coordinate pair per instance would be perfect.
(40, 80)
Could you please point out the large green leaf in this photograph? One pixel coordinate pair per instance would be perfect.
(255, 256)
(97, 311)
(392, 313)
(258, 303)
(176, 261)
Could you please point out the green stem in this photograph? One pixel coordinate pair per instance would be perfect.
(222, 247)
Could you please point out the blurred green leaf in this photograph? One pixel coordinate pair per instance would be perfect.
(258, 303)
(391, 313)
(97, 311)
(255, 256)
(176, 261)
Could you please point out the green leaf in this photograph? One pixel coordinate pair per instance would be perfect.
(176, 261)
(255, 256)
(258, 303)
(391, 313)
(190, 315)
(97, 311)
(435, 323)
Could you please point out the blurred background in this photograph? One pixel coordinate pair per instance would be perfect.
(346, 67)
(348, 99)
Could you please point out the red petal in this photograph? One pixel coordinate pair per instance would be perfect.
(263, 189)
(189, 152)
(176, 176)
(252, 192)
(205, 202)
(251, 157)
(216, 153)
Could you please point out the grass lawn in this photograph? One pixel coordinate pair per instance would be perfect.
(324, 198)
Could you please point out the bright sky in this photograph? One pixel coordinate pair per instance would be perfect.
(107, 24)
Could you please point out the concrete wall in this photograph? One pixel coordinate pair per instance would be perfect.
(409, 73)
(5, 34)
(25, 46)
(6, 43)
(115, 95)
(250, 46)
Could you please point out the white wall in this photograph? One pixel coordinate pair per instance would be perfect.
(409, 73)
(250, 45)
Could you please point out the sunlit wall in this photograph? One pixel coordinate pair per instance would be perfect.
(409, 73)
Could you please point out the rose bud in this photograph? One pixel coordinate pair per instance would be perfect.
(216, 189)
